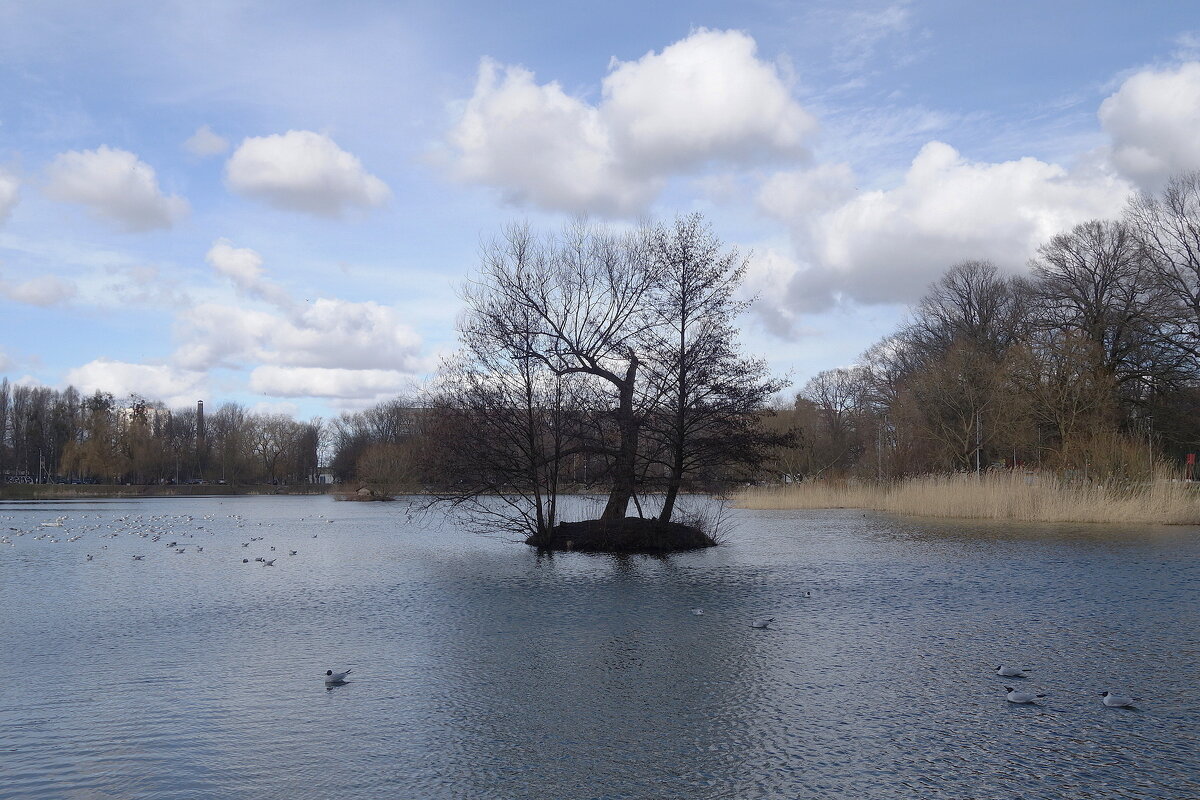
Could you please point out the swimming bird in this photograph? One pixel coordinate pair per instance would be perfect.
(762, 623)
(1011, 672)
(291, 552)
(699, 612)
(1117, 701)
(138, 558)
(270, 563)
(89, 558)
(332, 677)
(1014, 696)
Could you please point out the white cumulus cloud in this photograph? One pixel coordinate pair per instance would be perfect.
(540, 146)
(1153, 119)
(8, 194)
(44, 290)
(707, 99)
(887, 245)
(244, 267)
(325, 333)
(121, 378)
(303, 171)
(114, 186)
(355, 384)
(206, 142)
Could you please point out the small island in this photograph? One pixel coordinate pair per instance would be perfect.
(592, 359)
(628, 535)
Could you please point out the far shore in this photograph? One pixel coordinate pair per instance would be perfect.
(65, 491)
(1012, 496)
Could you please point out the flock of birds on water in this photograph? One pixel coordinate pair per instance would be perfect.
(154, 528)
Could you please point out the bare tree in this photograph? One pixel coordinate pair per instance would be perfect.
(1168, 229)
(574, 305)
(708, 398)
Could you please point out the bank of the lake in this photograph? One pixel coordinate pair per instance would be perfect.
(73, 491)
(1007, 496)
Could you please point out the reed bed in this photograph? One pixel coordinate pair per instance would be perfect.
(1037, 497)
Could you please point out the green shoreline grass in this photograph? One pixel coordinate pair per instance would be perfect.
(1017, 497)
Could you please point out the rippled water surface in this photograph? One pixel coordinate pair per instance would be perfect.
(481, 670)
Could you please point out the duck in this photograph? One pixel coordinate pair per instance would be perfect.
(1010, 672)
(332, 677)
(763, 623)
(1014, 696)
(1116, 700)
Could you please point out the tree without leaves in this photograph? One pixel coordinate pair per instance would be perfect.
(1168, 229)
(573, 305)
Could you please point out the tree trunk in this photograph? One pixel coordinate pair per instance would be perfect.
(672, 492)
(624, 467)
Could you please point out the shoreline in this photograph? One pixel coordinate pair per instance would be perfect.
(54, 491)
(1035, 497)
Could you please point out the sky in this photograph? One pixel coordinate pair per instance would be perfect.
(278, 203)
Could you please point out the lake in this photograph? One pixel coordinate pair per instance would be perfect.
(481, 670)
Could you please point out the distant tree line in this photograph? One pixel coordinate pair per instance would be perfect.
(48, 435)
(1090, 363)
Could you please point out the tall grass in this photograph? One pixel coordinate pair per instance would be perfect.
(1038, 497)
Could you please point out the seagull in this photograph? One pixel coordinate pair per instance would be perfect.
(138, 558)
(699, 612)
(291, 552)
(270, 563)
(1011, 672)
(89, 558)
(1117, 701)
(1014, 696)
(762, 623)
(334, 678)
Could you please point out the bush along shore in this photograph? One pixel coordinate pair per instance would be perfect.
(1016, 496)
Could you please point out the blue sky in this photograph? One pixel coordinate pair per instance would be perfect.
(275, 203)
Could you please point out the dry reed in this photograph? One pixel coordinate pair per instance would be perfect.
(1026, 497)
